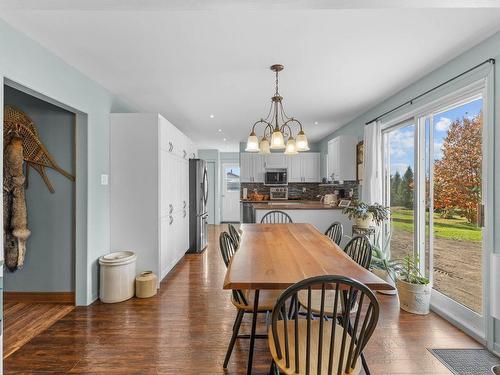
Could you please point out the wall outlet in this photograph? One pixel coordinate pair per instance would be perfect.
(104, 179)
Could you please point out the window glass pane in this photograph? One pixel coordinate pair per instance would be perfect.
(232, 177)
(399, 167)
(457, 170)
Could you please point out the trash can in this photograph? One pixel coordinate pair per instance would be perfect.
(117, 276)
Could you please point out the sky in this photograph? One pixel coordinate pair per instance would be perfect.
(401, 141)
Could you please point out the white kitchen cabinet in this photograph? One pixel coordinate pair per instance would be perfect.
(342, 158)
(149, 190)
(276, 160)
(304, 167)
(252, 167)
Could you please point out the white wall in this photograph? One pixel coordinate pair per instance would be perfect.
(26, 62)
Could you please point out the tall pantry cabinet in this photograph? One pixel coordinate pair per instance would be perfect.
(149, 190)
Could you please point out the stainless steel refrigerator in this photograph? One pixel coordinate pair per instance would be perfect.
(198, 197)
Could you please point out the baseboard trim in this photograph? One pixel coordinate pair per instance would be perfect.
(40, 297)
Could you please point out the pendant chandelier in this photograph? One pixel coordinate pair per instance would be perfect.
(277, 128)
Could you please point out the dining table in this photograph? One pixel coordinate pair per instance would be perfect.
(276, 256)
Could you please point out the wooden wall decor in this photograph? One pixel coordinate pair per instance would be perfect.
(21, 144)
(360, 150)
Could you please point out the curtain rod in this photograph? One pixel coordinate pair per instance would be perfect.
(489, 61)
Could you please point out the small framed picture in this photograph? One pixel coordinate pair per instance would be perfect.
(344, 203)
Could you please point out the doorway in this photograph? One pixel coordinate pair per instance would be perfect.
(230, 192)
(435, 184)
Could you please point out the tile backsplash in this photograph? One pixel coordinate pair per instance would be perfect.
(295, 189)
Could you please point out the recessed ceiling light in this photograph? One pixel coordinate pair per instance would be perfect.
(224, 139)
(219, 130)
(212, 115)
(316, 122)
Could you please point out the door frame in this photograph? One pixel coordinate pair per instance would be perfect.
(223, 189)
(440, 303)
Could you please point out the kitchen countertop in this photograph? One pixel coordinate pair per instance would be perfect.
(291, 205)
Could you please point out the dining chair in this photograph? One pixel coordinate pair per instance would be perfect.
(276, 217)
(335, 232)
(235, 235)
(303, 345)
(359, 248)
(243, 300)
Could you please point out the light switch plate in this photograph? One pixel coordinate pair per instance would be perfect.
(104, 179)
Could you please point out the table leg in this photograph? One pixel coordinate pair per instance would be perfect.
(252, 335)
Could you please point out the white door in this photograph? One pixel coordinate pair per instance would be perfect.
(230, 192)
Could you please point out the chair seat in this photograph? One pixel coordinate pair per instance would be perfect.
(302, 336)
(267, 300)
(329, 301)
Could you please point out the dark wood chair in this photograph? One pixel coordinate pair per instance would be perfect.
(243, 299)
(300, 344)
(276, 217)
(235, 235)
(359, 248)
(335, 232)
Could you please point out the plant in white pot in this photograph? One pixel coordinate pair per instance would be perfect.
(366, 215)
(381, 264)
(413, 288)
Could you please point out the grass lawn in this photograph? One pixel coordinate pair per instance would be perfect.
(456, 229)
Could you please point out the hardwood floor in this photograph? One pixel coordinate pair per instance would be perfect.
(186, 328)
(23, 321)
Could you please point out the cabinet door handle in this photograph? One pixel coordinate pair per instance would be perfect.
(171, 208)
(184, 213)
(194, 155)
(170, 146)
(184, 153)
(171, 220)
(184, 206)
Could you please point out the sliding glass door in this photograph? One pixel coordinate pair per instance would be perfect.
(434, 183)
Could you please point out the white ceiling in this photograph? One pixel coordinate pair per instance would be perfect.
(188, 64)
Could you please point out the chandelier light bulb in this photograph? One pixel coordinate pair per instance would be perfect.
(252, 143)
(302, 143)
(291, 148)
(264, 146)
(277, 140)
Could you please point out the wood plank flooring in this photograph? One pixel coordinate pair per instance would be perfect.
(186, 328)
(23, 321)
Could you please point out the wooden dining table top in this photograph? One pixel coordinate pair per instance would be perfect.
(276, 256)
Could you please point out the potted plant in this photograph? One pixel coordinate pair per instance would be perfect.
(413, 288)
(366, 215)
(381, 264)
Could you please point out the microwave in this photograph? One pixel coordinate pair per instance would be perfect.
(277, 176)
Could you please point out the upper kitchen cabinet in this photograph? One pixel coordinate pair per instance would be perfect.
(275, 161)
(252, 167)
(342, 158)
(304, 167)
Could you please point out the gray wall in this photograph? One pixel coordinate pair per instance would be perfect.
(490, 48)
(50, 257)
(29, 64)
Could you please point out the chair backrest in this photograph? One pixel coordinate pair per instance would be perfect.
(359, 248)
(335, 232)
(235, 235)
(306, 345)
(227, 247)
(276, 217)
